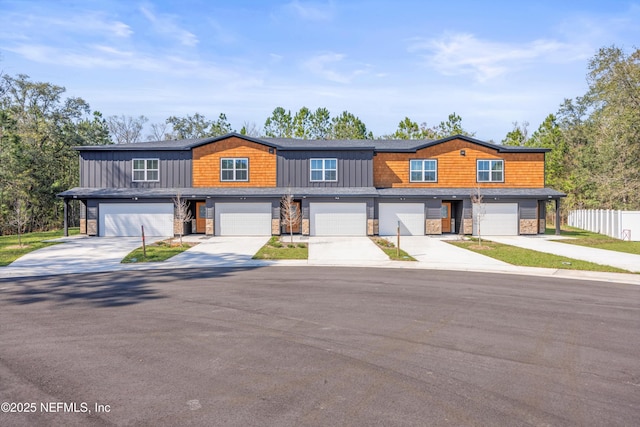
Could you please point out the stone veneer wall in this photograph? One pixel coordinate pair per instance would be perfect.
(92, 227)
(528, 226)
(275, 226)
(305, 227)
(543, 226)
(433, 226)
(83, 226)
(209, 229)
(177, 225)
(467, 226)
(372, 227)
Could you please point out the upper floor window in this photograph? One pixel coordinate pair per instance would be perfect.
(490, 170)
(146, 170)
(424, 171)
(324, 169)
(234, 169)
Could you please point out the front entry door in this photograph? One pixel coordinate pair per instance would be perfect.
(446, 217)
(201, 217)
(296, 214)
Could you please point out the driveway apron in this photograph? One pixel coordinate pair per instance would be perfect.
(621, 260)
(437, 253)
(76, 255)
(344, 250)
(219, 250)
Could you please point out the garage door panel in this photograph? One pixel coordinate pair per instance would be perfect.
(496, 219)
(126, 219)
(410, 216)
(338, 219)
(243, 219)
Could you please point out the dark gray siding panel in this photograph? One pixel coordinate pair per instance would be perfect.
(355, 168)
(433, 209)
(528, 209)
(114, 169)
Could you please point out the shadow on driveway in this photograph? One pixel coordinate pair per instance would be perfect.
(126, 288)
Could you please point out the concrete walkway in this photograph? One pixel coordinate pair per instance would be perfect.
(435, 252)
(76, 254)
(218, 250)
(543, 243)
(344, 251)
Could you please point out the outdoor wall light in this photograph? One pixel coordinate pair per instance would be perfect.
(463, 153)
(453, 197)
(271, 151)
(337, 198)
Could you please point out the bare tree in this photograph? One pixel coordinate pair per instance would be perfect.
(182, 213)
(160, 132)
(478, 211)
(20, 217)
(126, 129)
(250, 129)
(290, 213)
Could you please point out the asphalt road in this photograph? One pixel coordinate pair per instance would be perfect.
(298, 346)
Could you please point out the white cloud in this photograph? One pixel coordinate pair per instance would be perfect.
(326, 64)
(456, 54)
(164, 24)
(311, 11)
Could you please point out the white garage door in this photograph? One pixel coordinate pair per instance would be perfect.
(338, 219)
(496, 219)
(126, 219)
(410, 215)
(243, 219)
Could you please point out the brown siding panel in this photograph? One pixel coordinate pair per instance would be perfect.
(206, 163)
(523, 170)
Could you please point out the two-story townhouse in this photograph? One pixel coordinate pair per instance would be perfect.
(234, 185)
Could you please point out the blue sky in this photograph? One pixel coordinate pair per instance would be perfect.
(492, 63)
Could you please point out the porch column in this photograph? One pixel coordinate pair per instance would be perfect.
(66, 215)
(557, 217)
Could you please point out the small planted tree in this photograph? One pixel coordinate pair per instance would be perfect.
(290, 214)
(20, 217)
(478, 211)
(182, 213)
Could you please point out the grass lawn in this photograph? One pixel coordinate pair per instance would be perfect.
(276, 249)
(528, 258)
(595, 240)
(390, 249)
(157, 252)
(10, 250)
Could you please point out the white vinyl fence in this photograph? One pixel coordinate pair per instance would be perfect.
(623, 225)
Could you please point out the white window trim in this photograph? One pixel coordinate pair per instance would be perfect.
(234, 169)
(423, 170)
(146, 170)
(324, 169)
(491, 161)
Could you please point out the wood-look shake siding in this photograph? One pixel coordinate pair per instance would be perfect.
(355, 168)
(114, 169)
(206, 163)
(521, 170)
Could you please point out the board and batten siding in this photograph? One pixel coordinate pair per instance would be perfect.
(355, 168)
(521, 170)
(114, 169)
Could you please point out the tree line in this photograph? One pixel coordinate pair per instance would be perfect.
(595, 139)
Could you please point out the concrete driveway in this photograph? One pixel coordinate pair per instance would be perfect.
(344, 250)
(76, 254)
(621, 260)
(435, 252)
(218, 251)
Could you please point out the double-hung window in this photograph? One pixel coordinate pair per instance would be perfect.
(423, 170)
(324, 170)
(234, 169)
(490, 170)
(146, 170)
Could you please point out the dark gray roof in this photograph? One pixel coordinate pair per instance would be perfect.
(382, 145)
(151, 193)
(462, 193)
(438, 193)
